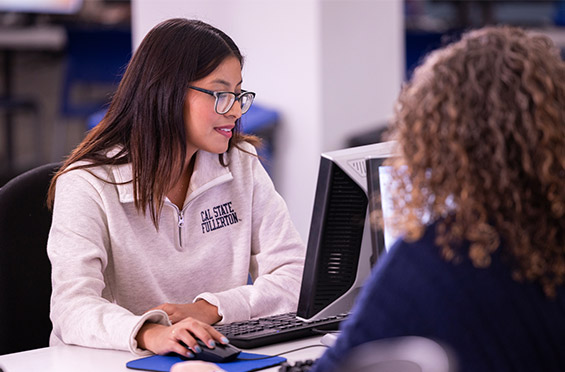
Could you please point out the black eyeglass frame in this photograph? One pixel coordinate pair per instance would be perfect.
(216, 95)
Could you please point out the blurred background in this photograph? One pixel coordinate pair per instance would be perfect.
(326, 72)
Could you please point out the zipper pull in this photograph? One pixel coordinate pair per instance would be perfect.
(181, 219)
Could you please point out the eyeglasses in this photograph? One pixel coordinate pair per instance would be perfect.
(225, 100)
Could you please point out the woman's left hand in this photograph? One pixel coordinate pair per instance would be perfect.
(201, 310)
(195, 366)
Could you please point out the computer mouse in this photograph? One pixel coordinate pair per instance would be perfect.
(220, 354)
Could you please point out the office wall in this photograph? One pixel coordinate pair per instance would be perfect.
(332, 68)
(362, 66)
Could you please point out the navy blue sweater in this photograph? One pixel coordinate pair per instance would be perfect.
(490, 321)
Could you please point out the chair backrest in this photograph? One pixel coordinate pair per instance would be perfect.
(25, 270)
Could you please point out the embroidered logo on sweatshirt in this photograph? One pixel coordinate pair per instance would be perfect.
(218, 217)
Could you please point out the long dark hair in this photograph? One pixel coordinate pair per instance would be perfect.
(145, 117)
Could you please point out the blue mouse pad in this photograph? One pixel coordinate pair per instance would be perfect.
(163, 363)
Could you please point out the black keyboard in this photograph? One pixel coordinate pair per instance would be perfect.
(274, 329)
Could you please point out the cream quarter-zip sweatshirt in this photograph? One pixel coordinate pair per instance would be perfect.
(111, 265)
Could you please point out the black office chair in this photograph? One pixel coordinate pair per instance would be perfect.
(25, 270)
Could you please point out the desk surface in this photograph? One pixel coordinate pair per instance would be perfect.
(76, 358)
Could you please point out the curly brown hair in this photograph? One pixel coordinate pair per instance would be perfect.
(481, 131)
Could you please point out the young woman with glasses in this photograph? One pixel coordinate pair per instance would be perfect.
(164, 209)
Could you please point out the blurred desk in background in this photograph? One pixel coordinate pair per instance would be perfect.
(15, 40)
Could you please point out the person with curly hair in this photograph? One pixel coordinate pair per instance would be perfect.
(480, 200)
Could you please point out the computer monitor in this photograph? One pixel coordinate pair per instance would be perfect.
(342, 247)
(379, 183)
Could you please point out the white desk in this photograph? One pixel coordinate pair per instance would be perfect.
(76, 358)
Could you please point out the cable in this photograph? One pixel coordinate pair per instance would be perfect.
(285, 352)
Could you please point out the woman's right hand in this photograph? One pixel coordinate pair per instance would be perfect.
(161, 339)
